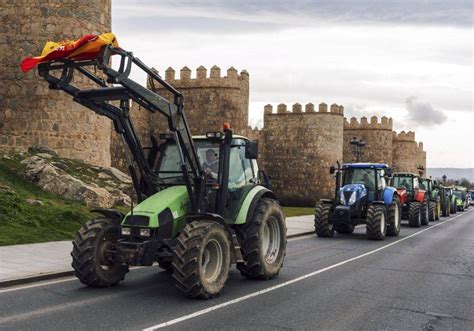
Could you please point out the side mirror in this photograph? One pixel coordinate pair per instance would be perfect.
(332, 170)
(251, 150)
(388, 172)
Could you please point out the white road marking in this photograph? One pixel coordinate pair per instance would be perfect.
(38, 284)
(272, 288)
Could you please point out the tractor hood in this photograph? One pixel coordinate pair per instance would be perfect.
(170, 204)
(351, 193)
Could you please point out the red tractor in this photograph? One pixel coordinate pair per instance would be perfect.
(414, 201)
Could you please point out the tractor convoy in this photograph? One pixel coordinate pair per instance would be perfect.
(203, 204)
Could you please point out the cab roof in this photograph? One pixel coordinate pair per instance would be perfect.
(405, 174)
(234, 136)
(365, 165)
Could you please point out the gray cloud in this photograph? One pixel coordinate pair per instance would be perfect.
(280, 14)
(422, 114)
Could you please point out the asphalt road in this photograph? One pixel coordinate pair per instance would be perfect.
(421, 280)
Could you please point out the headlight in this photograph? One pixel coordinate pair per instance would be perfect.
(144, 232)
(352, 199)
(342, 198)
(125, 231)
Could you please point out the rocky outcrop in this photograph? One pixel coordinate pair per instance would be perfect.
(94, 186)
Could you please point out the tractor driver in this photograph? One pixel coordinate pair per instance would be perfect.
(211, 165)
(405, 184)
(369, 183)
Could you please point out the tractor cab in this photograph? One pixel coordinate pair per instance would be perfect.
(237, 163)
(362, 179)
(407, 181)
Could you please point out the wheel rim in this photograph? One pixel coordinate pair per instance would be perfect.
(419, 216)
(271, 240)
(211, 261)
(103, 251)
(427, 214)
(397, 217)
(382, 223)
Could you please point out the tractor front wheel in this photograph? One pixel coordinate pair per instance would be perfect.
(431, 210)
(323, 227)
(394, 217)
(92, 255)
(263, 241)
(201, 260)
(414, 214)
(425, 211)
(376, 222)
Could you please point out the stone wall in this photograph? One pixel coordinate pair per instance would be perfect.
(378, 137)
(299, 149)
(30, 113)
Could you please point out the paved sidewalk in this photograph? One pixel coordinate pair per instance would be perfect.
(23, 263)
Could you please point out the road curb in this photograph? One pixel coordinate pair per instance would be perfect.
(35, 278)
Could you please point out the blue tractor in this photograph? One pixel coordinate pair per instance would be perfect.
(361, 197)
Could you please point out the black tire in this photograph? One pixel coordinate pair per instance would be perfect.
(322, 225)
(425, 211)
(453, 208)
(414, 214)
(166, 265)
(344, 228)
(89, 258)
(263, 262)
(200, 241)
(445, 209)
(431, 210)
(376, 222)
(394, 218)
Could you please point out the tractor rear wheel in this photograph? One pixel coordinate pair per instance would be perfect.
(263, 241)
(394, 217)
(445, 209)
(414, 214)
(201, 260)
(425, 211)
(344, 228)
(453, 208)
(92, 253)
(321, 220)
(431, 210)
(376, 222)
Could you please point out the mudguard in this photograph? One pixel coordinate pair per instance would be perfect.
(388, 194)
(109, 213)
(420, 195)
(402, 194)
(250, 203)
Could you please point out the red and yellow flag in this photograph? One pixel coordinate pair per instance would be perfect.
(86, 48)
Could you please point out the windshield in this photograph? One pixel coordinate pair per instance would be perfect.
(458, 194)
(170, 162)
(405, 182)
(360, 176)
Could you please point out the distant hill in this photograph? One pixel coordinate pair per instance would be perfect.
(452, 173)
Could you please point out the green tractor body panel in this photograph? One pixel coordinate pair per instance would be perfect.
(175, 198)
(244, 208)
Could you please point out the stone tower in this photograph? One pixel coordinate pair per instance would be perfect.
(408, 155)
(378, 137)
(30, 113)
(299, 148)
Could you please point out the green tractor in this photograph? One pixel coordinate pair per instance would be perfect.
(461, 199)
(203, 204)
(445, 196)
(434, 199)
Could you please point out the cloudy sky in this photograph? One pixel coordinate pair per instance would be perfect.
(408, 59)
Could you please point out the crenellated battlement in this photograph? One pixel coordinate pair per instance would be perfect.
(203, 78)
(404, 136)
(297, 108)
(374, 124)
